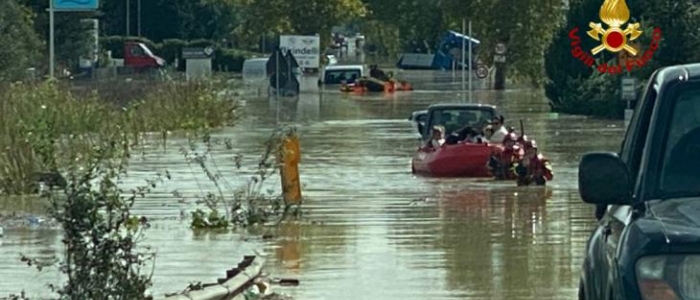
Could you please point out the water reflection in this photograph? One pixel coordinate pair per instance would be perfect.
(302, 246)
(379, 232)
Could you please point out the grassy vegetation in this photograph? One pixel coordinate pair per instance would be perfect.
(44, 127)
(249, 203)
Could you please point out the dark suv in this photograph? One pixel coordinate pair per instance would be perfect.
(647, 243)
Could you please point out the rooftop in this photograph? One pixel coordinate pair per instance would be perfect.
(461, 105)
(344, 67)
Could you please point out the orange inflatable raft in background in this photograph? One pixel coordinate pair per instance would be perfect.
(365, 85)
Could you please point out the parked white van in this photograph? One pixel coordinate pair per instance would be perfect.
(336, 74)
(255, 70)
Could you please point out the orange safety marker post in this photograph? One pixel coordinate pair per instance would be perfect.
(290, 155)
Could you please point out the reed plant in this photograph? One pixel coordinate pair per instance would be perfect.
(44, 127)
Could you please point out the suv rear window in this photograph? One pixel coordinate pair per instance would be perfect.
(457, 118)
(338, 76)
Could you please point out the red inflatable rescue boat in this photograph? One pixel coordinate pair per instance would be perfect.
(458, 160)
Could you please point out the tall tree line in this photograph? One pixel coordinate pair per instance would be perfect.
(391, 26)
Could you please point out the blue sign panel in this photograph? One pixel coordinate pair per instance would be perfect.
(75, 4)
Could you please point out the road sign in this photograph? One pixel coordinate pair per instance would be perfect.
(208, 51)
(501, 48)
(629, 88)
(75, 4)
(482, 72)
(197, 53)
(306, 49)
(499, 58)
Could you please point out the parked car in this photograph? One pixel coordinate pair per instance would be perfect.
(419, 118)
(255, 70)
(647, 243)
(337, 74)
(331, 59)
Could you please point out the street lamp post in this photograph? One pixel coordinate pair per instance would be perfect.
(128, 8)
(51, 40)
(139, 17)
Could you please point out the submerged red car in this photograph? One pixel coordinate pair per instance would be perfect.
(460, 159)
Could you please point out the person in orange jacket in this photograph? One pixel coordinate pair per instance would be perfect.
(502, 166)
(534, 167)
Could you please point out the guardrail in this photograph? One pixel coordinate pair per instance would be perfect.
(237, 281)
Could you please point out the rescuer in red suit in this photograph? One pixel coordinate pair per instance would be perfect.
(533, 167)
(502, 166)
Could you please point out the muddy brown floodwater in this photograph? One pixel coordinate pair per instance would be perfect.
(379, 232)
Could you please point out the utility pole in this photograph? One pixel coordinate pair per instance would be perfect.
(138, 4)
(470, 62)
(464, 52)
(128, 8)
(52, 49)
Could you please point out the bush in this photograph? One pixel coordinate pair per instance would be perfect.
(202, 43)
(103, 259)
(594, 96)
(21, 44)
(231, 60)
(39, 124)
(572, 85)
(190, 106)
(249, 204)
(171, 49)
(100, 234)
(225, 59)
(46, 128)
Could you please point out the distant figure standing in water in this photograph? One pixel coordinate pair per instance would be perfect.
(375, 72)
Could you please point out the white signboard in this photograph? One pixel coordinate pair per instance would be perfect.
(629, 88)
(306, 49)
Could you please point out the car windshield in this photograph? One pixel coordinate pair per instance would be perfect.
(458, 118)
(680, 169)
(338, 76)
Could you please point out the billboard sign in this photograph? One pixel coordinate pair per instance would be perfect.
(306, 49)
(75, 4)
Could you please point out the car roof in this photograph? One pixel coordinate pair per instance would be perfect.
(671, 73)
(344, 67)
(476, 106)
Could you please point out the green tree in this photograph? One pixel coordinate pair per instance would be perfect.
(528, 30)
(20, 43)
(411, 22)
(678, 20)
(72, 37)
(171, 19)
(260, 17)
(526, 26)
(560, 65)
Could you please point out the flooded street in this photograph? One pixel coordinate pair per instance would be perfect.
(378, 232)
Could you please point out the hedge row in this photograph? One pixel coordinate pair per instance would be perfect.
(225, 59)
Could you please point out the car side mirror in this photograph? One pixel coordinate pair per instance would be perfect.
(420, 128)
(603, 179)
